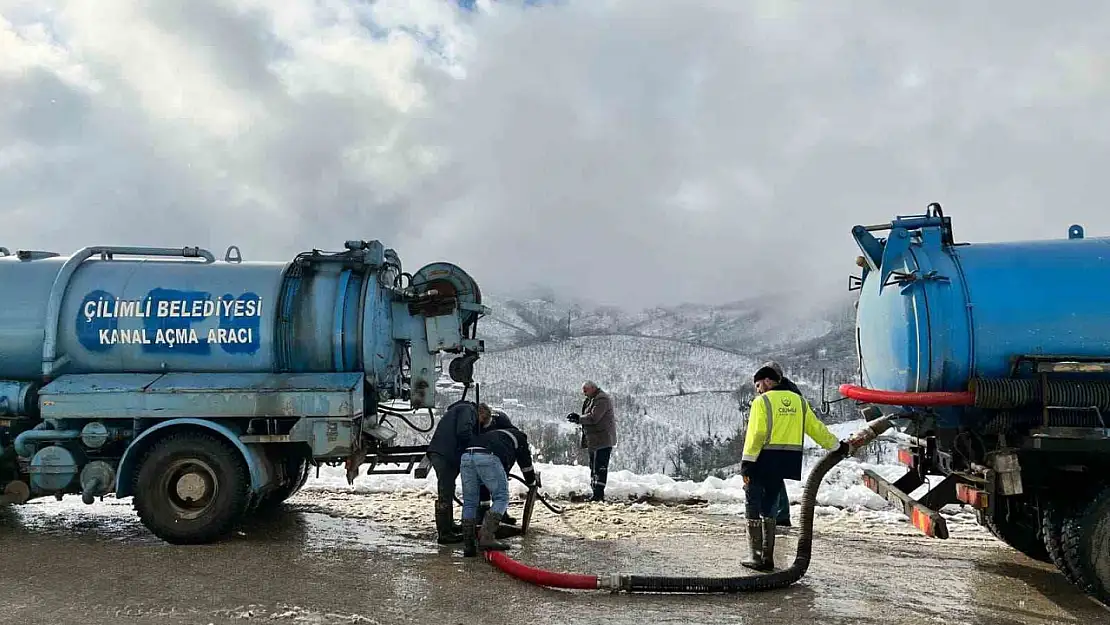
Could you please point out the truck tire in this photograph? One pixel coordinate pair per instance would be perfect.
(297, 466)
(1022, 536)
(1087, 546)
(191, 488)
(1052, 528)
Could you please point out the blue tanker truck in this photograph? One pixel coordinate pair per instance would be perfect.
(205, 389)
(997, 357)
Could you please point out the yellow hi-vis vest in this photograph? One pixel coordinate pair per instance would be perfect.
(777, 423)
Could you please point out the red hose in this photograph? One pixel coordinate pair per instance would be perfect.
(540, 576)
(900, 398)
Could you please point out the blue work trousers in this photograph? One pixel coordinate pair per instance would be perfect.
(483, 469)
(762, 496)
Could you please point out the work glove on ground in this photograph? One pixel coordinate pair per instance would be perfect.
(574, 417)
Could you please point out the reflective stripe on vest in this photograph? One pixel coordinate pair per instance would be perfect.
(770, 419)
(769, 409)
(511, 437)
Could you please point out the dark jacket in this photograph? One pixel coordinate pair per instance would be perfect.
(599, 423)
(499, 421)
(509, 445)
(455, 432)
(786, 384)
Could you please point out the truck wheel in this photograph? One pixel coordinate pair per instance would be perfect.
(1052, 527)
(1019, 533)
(191, 488)
(296, 466)
(1087, 546)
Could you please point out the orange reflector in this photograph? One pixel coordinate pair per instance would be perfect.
(922, 521)
(905, 457)
(971, 496)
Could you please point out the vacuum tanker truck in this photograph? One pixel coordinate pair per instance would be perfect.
(206, 389)
(996, 358)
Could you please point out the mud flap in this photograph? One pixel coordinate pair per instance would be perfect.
(922, 514)
(508, 531)
(529, 506)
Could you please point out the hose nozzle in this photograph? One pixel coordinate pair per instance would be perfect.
(874, 429)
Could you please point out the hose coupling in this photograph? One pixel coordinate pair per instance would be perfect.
(874, 429)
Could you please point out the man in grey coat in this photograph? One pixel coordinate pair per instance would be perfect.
(599, 434)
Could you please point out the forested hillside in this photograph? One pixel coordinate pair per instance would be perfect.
(680, 377)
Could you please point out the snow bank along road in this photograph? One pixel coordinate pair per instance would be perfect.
(366, 554)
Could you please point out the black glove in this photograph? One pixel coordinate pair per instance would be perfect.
(573, 417)
(844, 448)
(746, 467)
(529, 477)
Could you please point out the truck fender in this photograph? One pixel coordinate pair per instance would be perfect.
(259, 468)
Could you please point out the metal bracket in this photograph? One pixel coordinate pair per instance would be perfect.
(238, 258)
(1008, 471)
(897, 244)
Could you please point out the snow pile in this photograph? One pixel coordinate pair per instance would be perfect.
(842, 487)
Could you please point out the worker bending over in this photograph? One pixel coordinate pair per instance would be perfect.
(778, 422)
(453, 434)
(486, 462)
(497, 420)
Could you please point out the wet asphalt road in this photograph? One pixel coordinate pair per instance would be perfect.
(370, 559)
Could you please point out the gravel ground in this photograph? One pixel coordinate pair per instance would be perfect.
(332, 557)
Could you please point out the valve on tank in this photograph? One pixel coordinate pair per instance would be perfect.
(97, 480)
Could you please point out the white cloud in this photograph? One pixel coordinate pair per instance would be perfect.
(637, 152)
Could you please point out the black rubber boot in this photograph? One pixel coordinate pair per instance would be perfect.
(470, 538)
(483, 507)
(445, 524)
(755, 542)
(487, 536)
(768, 545)
(599, 494)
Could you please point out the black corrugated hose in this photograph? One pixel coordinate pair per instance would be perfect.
(765, 581)
(705, 585)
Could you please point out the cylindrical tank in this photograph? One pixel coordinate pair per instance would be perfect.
(106, 310)
(948, 312)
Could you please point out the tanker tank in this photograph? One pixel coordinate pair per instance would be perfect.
(112, 353)
(933, 314)
(995, 360)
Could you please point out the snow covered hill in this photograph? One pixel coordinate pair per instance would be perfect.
(666, 391)
(677, 374)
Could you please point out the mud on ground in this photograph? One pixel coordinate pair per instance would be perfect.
(331, 557)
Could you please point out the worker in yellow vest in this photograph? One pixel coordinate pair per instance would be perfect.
(777, 423)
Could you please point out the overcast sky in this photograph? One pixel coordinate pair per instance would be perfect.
(636, 152)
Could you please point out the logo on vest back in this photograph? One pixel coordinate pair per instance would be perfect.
(787, 406)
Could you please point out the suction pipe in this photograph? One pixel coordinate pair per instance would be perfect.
(898, 398)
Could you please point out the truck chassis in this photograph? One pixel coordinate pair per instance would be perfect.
(1036, 476)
